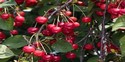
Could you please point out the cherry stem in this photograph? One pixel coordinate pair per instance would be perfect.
(73, 10)
(119, 4)
(80, 10)
(103, 39)
(37, 34)
(58, 9)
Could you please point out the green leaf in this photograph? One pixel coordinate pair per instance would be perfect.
(93, 59)
(5, 52)
(62, 46)
(7, 4)
(45, 8)
(119, 23)
(15, 42)
(6, 24)
(4, 60)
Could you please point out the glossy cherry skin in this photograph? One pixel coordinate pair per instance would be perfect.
(70, 55)
(47, 32)
(75, 46)
(39, 53)
(88, 47)
(5, 16)
(47, 58)
(2, 36)
(19, 19)
(19, 1)
(68, 13)
(56, 58)
(18, 24)
(32, 30)
(14, 32)
(76, 24)
(72, 19)
(86, 19)
(56, 29)
(28, 49)
(41, 19)
(30, 2)
(50, 26)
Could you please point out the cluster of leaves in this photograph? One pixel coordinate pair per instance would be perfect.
(11, 47)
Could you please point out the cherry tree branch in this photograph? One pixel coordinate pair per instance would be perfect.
(103, 38)
(58, 9)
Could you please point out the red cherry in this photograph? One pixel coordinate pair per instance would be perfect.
(47, 58)
(75, 46)
(99, 44)
(70, 39)
(88, 47)
(56, 58)
(2, 36)
(67, 31)
(102, 6)
(98, 4)
(37, 44)
(68, 13)
(31, 2)
(19, 1)
(14, 32)
(47, 32)
(21, 13)
(122, 11)
(41, 19)
(41, 60)
(72, 19)
(86, 19)
(19, 19)
(18, 24)
(32, 30)
(50, 26)
(80, 3)
(51, 42)
(76, 24)
(99, 13)
(123, 3)
(39, 53)
(70, 55)
(103, 1)
(61, 24)
(28, 49)
(1, 9)
(1, 1)
(56, 29)
(5, 16)
(68, 25)
(115, 11)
